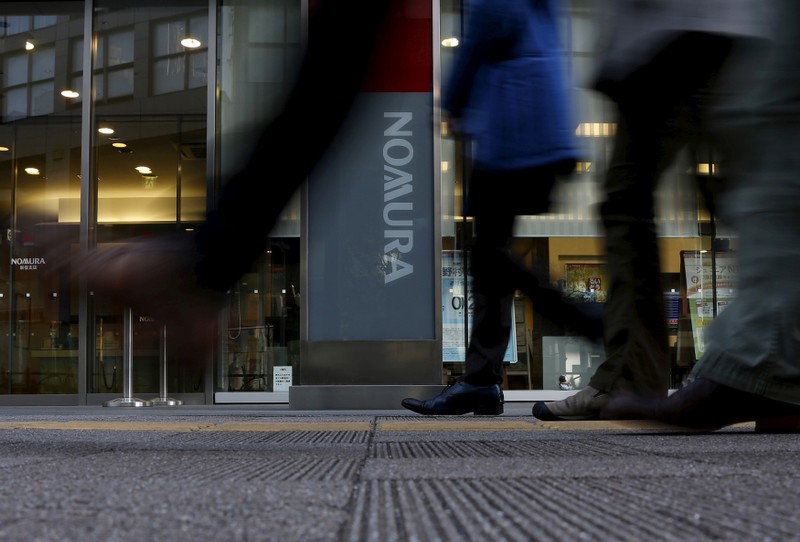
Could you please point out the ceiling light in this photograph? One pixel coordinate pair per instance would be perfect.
(29, 46)
(144, 170)
(190, 43)
(3, 149)
(119, 144)
(32, 171)
(106, 130)
(450, 42)
(69, 93)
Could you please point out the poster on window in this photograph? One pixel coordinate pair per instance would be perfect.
(586, 282)
(457, 306)
(699, 271)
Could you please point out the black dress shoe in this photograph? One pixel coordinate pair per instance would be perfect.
(461, 398)
(706, 406)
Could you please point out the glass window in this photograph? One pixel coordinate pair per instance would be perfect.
(120, 83)
(43, 21)
(120, 48)
(261, 336)
(42, 98)
(168, 36)
(178, 44)
(151, 168)
(114, 51)
(43, 64)
(39, 176)
(168, 75)
(16, 104)
(266, 65)
(76, 58)
(17, 24)
(15, 70)
(198, 70)
(267, 25)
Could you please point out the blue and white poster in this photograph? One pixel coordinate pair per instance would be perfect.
(457, 307)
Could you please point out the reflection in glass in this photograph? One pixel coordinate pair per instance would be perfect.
(38, 172)
(150, 171)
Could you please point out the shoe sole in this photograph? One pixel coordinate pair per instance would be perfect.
(487, 410)
(778, 424)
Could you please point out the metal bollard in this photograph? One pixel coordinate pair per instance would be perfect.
(127, 399)
(163, 399)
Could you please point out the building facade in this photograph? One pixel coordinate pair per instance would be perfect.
(122, 121)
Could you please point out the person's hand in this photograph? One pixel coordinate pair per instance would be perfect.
(453, 125)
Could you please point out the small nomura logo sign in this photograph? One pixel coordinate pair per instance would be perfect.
(27, 264)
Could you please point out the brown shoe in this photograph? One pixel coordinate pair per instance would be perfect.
(584, 405)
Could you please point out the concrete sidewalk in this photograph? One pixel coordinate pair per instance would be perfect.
(252, 473)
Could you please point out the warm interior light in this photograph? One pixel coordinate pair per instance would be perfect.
(119, 144)
(105, 130)
(596, 129)
(32, 171)
(144, 170)
(450, 42)
(706, 169)
(190, 43)
(69, 93)
(29, 46)
(3, 149)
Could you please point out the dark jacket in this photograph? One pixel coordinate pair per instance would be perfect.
(509, 87)
(635, 32)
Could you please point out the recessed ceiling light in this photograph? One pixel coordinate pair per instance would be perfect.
(119, 144)
(69, 93)
(32, 171)
(190, 43)
(105, 130)
(144, 170)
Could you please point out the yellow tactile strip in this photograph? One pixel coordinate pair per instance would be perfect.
(465, 424)
(456, 425)
(88, 425)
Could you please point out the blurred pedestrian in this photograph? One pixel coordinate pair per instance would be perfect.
(750, 370)
(181, 280)
(508, 95)
(661, 64)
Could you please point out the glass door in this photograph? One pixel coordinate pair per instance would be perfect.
(150, 83)
(39, 167)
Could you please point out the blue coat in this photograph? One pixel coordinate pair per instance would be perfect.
(508, 86)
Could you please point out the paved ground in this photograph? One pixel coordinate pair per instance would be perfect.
(238, 473)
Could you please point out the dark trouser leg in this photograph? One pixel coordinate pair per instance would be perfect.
(496, 275)
(635, 321)
(667, 111)
(754, 345)
(341, 40)
(492, 291)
